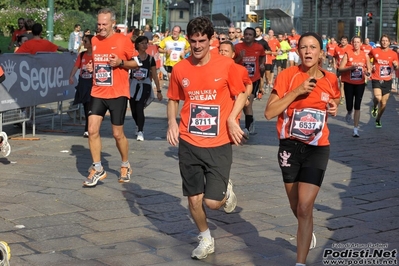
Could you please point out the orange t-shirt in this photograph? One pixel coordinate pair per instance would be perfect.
(250, 60)
(16, 33)
(339, 53)
(208, 99)
(366, 48)
(355, 76)
(274, 45)
(305, 119)
(37, 45)
(294, 41)
(81, 62)
(1, 71)
(331, 48)
(382, 63)
(111, 82)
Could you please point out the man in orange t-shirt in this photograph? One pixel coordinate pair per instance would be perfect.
(251, 55)
(111, 58)
(18, 32)
(37, 44)
(293, 40)
(274, 45)
(208, 126)
(330, 53)
(385, 61)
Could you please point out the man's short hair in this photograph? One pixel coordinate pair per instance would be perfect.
(200, 25)
(229, 43)
(107, 10)
(29, 24)
(37, 29)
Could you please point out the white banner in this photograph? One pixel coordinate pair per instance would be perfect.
(146, 9)
(36, 79)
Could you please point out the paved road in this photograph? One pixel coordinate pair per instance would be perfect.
(48, 218)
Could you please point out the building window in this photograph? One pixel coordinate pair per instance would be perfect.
(181, 14)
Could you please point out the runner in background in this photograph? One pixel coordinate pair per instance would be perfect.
(385, 61)
(339, 53)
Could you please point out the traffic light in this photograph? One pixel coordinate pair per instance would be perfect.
(369, 17)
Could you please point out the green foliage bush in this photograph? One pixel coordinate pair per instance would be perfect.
(63, 21)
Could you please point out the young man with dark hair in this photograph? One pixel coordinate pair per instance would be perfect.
(208, 126)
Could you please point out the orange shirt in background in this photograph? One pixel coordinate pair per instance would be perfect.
(382, 63)
(17, 33)
(355, 76)
(274, 45)
(331, 48)
(293, 41)
(250, 59)
(37, 45)
(366, 48)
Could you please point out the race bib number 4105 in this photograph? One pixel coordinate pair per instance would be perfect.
(204, 120)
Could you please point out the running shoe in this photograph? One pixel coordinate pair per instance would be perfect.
(206, 246)
(348, 117)
(246, 133)
(378, 124)
(5, 147)
(374, 112)
(252, 127)
(94, 177)
(125, 174)
(86, 134)
(313, 242)
(355, 132)
(5, 254)
(341, 102)
(231, 201)
(140, 136)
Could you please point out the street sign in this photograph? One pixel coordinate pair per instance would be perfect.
(146, 9)
(359, 21)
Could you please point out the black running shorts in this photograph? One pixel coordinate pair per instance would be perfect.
(300, 162)
(116, 107)
(205, 170)
(384, 85)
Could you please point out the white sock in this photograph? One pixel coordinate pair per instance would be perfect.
(206, 234)
(299, 264)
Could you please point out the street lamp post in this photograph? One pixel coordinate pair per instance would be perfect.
(380, 18)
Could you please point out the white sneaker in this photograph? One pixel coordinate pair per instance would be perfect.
(86, 134)
(231, 202)
(205, 247)
(356, 132)
(313, 242)
(140, 136)
(252, 128)
(5, 147)
(5, 255)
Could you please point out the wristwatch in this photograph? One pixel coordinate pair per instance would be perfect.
(122, 63)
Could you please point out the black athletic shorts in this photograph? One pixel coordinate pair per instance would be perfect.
(281, 63)
(384, 85)
(300, 162)
(205, 170)
(116, 107)
(270, 67)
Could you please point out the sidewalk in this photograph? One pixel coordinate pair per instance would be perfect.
(48, 218)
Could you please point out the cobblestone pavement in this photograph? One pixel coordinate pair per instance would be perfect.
(48, 218)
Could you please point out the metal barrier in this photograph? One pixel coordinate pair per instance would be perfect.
(21, 115)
